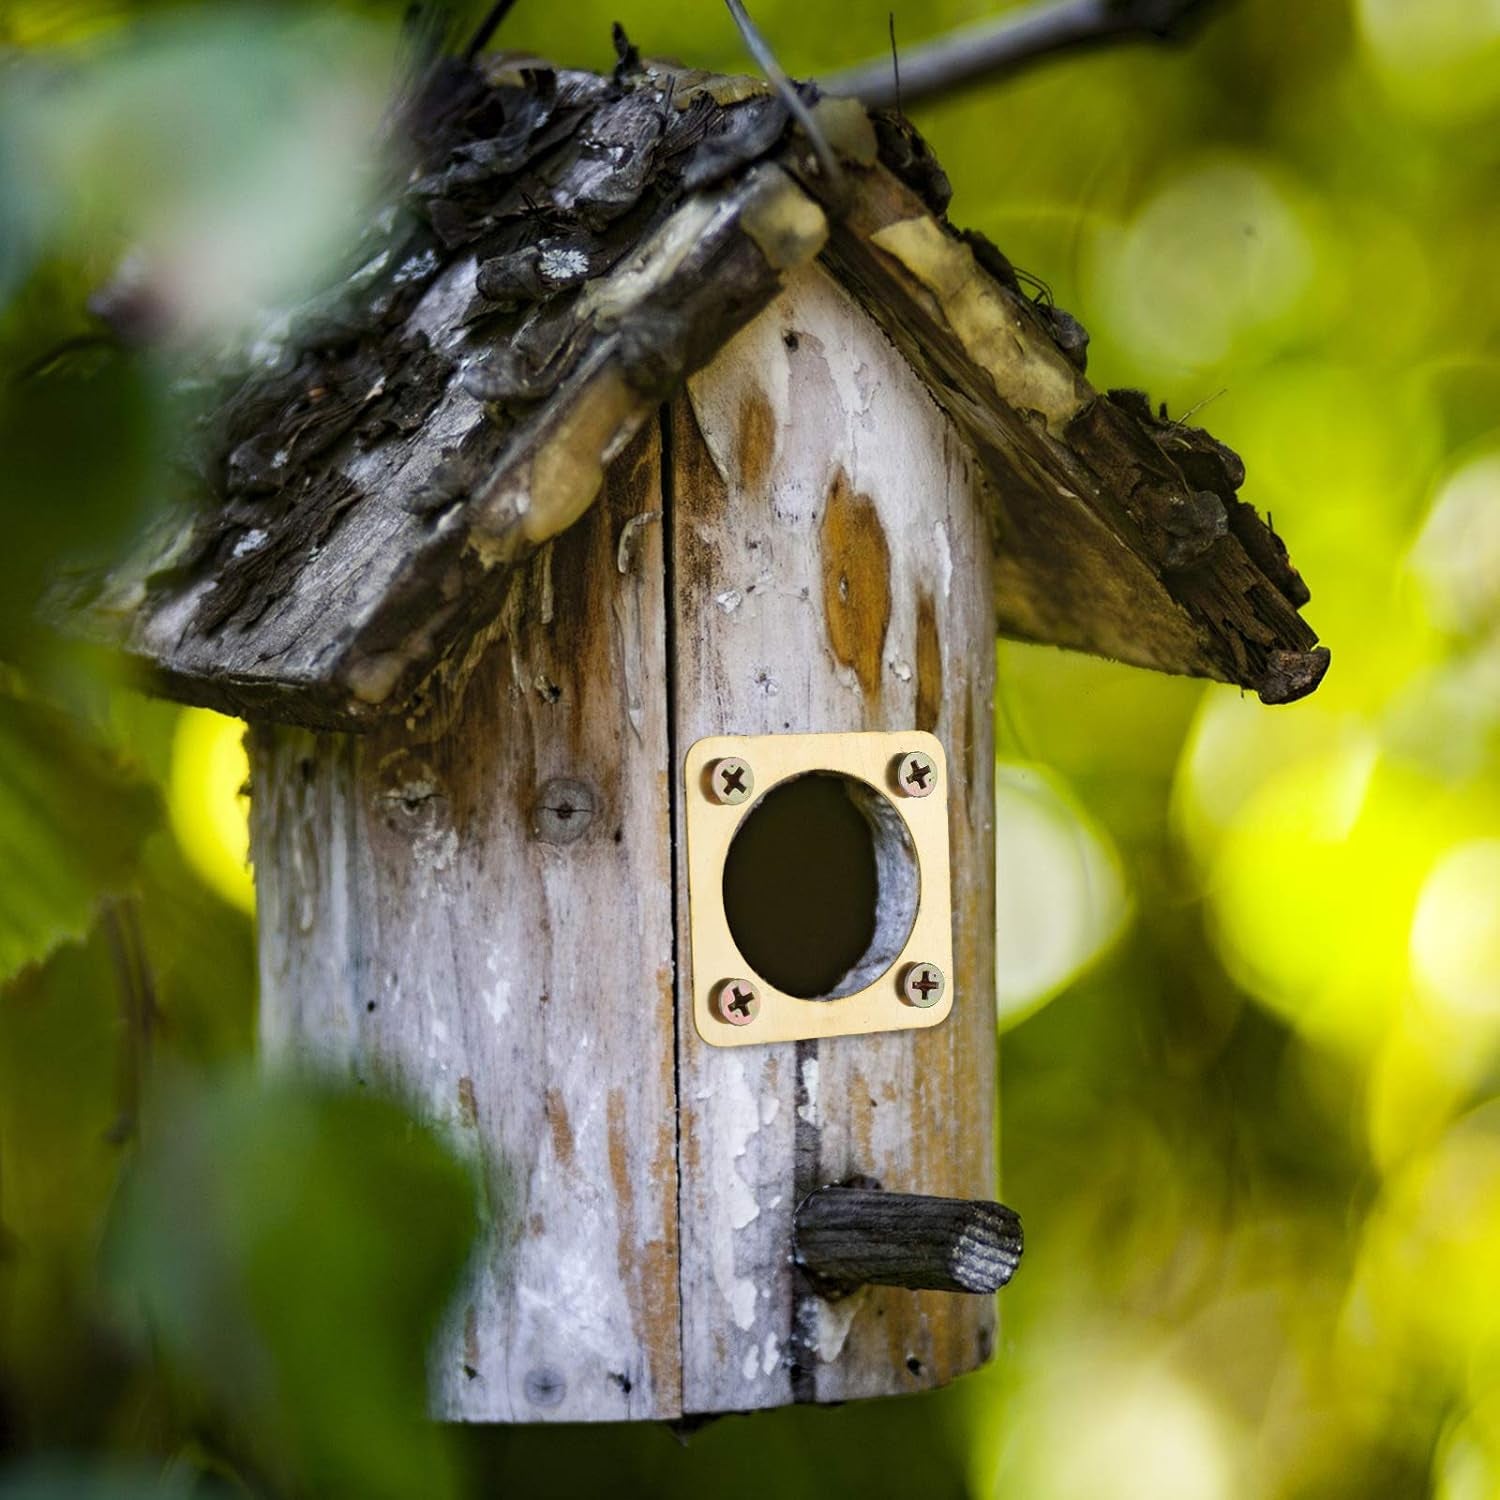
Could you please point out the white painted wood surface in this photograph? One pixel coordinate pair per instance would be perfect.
(831, 572)
(414, 931)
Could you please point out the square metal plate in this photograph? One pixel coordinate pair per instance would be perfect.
(712, 822)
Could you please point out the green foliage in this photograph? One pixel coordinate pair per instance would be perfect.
(72, 820)
(54, 1481)
(83, 449)
(289, 1249)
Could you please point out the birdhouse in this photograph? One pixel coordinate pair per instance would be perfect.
(609, 569)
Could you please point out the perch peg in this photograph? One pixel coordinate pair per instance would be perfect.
(847, 1237)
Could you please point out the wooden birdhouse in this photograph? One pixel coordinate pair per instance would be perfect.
(609, 570)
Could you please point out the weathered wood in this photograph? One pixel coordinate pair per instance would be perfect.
(531, 295)
(1114, 530)
(848, 1237)
(332, 610)
(831, 571)
(425, 923)
(422, 895)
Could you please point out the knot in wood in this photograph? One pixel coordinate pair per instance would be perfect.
(564, 810)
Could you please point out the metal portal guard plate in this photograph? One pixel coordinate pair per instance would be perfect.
(726, 778)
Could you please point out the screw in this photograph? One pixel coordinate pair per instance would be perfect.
(564, 809)
(739, 1002)
(731, 781)
(922, 985)
(916, 775)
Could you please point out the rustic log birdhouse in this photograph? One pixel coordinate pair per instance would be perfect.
(609, 570)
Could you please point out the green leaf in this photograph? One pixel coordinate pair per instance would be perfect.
(65, 1480)
(292, 1248)
(72, 819)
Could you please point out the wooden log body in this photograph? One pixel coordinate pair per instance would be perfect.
(801, 546)
(426, 924)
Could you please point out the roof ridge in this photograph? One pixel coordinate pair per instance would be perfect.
(561, 250)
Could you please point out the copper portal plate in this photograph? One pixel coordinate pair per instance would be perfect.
(901, 995)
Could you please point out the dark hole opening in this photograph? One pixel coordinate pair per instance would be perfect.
(820, 886)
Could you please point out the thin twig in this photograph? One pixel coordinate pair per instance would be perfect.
(895, 60)
(487, 28)
(760, 50)
(992, 49)
(1193, 411)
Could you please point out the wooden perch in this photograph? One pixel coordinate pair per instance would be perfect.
(992, 49)
(847, 1237)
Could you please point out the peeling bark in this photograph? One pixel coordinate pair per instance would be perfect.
(569, 251)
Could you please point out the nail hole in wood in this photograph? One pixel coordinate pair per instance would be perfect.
(544, 1386)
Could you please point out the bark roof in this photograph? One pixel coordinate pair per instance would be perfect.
(565, 249)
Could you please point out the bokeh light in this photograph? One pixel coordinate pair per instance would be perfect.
(1060, 897)
(1112, 1420)
(1467, 1466)
(1218, 257)
(208, 805)
(1455, 935)
(1440, 58)
(1457, 552)
(1422, 1301)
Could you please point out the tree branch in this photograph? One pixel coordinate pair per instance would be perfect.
(993, 49)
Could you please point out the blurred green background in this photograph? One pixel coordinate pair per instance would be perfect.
(1249, 957)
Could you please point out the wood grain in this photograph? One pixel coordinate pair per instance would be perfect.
(375, 487)
(849, 1237)
(423, 927)
(416, 536)
(764, 585)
